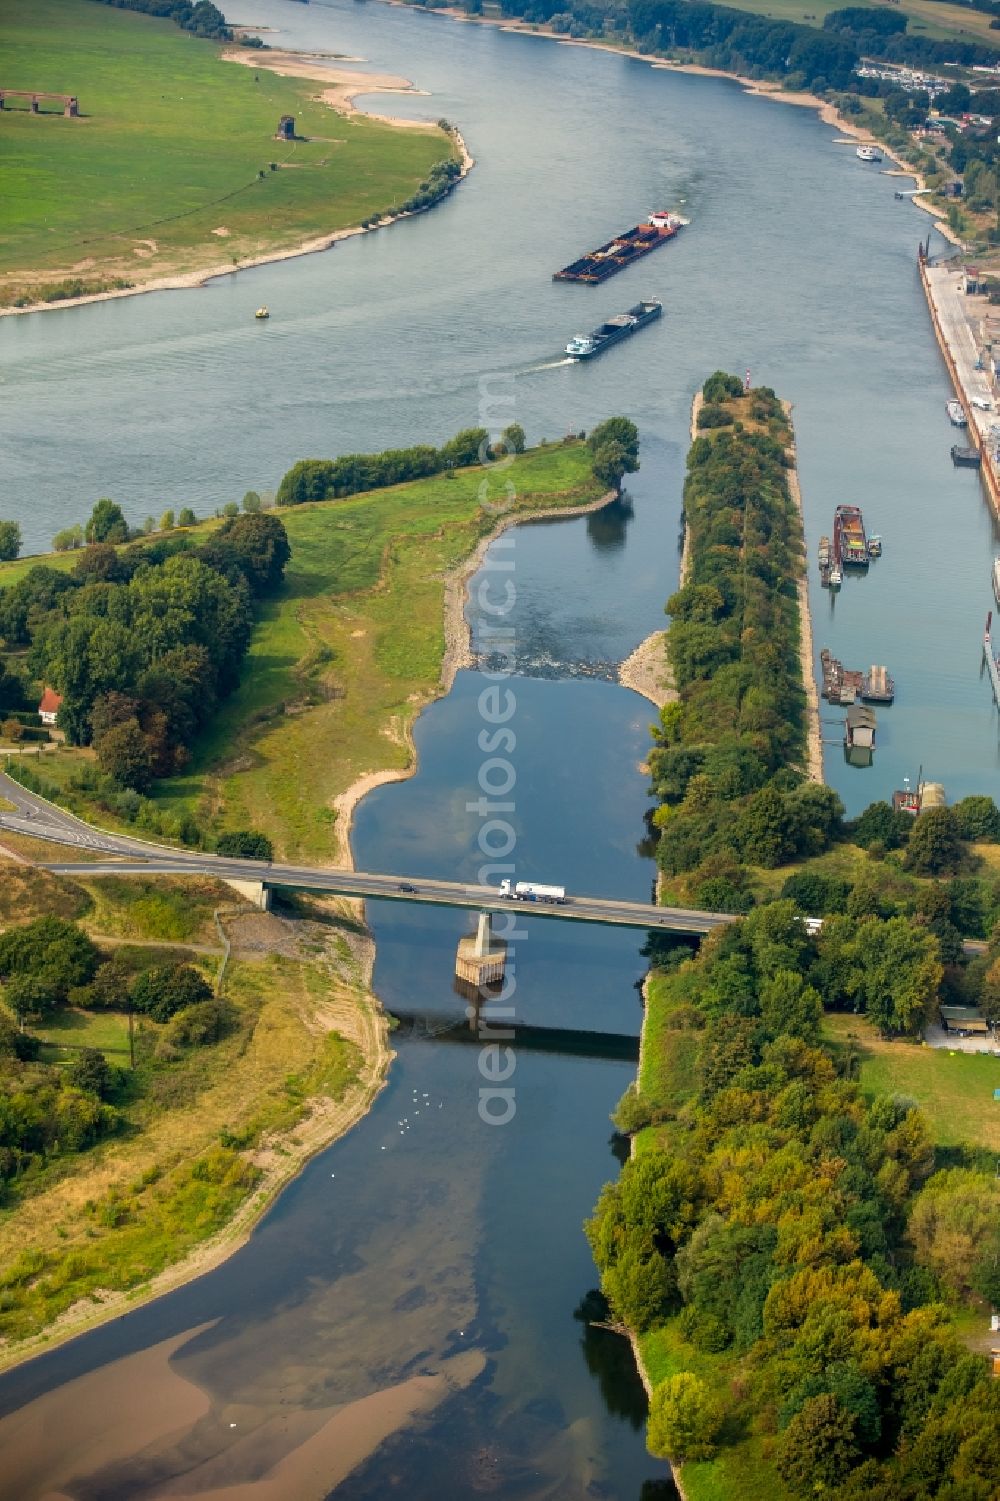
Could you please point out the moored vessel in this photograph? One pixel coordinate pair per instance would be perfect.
(996, 580)
(965, 457)
(850, 542)
(874, 545)
(869, 153)
(877, 687)
(956, 413)
(597, 265)
(585, 346)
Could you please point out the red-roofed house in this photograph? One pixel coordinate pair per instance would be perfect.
(49, 706)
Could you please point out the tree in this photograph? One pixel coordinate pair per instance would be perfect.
(123, 753)
(470, 446)
(30, 995)
(256, 546)
(881, 824)
(638, 1284)
(10, 541)
(684, 1419)
(610, 464)
(954, 1222)
(90, 1071)
(252, 502)
(512, 439)
(790, 1007)
(245, 844)
(621, 430)
(978, 817)
(720, 386)
(900, 973)
(52, 951)
(107, 523)
(231, 508)
(163, 991)
(818, 1448)
(186, 517)
(167, 521)
(935, 846)
(69, 538)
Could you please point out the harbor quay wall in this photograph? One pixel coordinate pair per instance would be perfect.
(987, 468)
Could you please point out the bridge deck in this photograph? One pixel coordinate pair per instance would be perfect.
(39, 819)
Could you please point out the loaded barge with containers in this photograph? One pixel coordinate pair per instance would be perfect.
(636, 242)
(585, 346)
(850, 545)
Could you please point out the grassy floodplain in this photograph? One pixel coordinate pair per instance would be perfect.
(342, 660)
(931, 18)
(159, 176)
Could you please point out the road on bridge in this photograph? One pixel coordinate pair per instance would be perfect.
(40, 819)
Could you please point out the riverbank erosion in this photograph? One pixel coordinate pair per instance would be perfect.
(170, 214)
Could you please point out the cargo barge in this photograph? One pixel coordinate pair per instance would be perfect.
(613, 257)
(586, 346)
(850, 545)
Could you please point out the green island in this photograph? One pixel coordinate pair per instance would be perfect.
(805, 1241)
(173, 168)
(168, 1055)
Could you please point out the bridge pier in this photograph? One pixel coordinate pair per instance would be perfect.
(480, 958)
(253, 891)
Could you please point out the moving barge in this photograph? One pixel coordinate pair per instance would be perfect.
(636, 242)
(849, 541)
(586, 346)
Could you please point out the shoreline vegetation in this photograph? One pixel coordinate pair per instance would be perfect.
(551, 482)
(156, 256)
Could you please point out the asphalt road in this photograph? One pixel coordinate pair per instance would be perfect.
(36, 817)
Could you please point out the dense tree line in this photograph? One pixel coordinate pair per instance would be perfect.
(753, 45)
(202, 18)
(334, 479)
(143, 642)
(720, 767)
(614, 445)
(784, 1220)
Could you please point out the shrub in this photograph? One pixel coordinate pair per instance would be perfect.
(245, 844)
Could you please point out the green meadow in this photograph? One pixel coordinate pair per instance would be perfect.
(168, 149)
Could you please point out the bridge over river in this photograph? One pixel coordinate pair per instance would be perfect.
(120, 854)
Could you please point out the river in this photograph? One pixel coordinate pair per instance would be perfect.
(433, 1238)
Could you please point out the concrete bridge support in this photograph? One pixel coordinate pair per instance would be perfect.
(481, 957)
(254, 892)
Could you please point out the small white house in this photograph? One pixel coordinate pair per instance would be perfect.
(49, 706)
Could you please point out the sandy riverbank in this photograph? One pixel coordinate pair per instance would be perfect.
(814, 738)
(342, 88)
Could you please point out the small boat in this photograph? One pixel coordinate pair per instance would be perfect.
(868, 153)
(877, 687)
(262, 312)
(836, 577)
(824, 552)
(967, 458)
(875, 545)
(996, 580)
(956, 413)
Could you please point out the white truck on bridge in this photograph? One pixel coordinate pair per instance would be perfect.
(530, 891)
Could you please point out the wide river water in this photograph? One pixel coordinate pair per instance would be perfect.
(427, 1239)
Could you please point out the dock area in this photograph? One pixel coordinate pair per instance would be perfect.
(957, 316)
